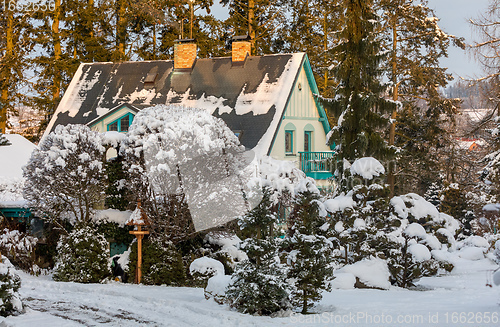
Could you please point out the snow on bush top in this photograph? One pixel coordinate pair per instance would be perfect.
(113, 216)
(112, 138)
(229, 245)
(371, 272)
(367, 167)
(419, 252)
(206, 266)
(279, 175)
(340, 203)
(11, 192)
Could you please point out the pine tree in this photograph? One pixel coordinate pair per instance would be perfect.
(10, 283)
(310, 29)
(454, 203)
(416, 43)
(359, 105)
(258, 285)
(15, 46)
(310, 252)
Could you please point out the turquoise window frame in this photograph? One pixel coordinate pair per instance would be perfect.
(118, 121)
(309, 143)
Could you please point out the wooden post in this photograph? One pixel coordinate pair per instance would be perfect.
(139, 255)
(139, 233)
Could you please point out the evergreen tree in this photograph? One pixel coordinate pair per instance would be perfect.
(258, 285)
(161, 263)
(9, 286)
(15, 46)
(359, 105)
(433, 194)
(454, 203)
(416, 43)
(310, 252)
(117, 192)
(82, 257)
(310, 29)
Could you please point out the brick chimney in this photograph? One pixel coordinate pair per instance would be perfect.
(241, 48)
(184, 53)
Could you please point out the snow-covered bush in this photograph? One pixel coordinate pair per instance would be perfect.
(19, 248)
(170, 151)
(82, 257)
(3, 140)
(65, 176)
(201, 269)
(10, 302)
(310, 252)
(161, 264)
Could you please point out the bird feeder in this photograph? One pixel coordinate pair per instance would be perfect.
(139, 219)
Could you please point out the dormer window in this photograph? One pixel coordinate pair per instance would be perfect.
(149, 82)
(122, 124)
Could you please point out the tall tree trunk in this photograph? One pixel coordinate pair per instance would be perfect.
(57, 54)
(121, 30)
(392, 132)
(5, 83)
(251, 19)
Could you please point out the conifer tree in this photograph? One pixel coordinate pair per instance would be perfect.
(3, 140)
(15, 46)
(359, 105)
(258, 285)
(416, 43)
(454, 203)
(10, 283)
(310, 252)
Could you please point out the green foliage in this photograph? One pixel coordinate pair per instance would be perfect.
(9, 285)
(113, 231)
(82, 257)
(117, 194)
(310, 252)
(161, 264)
(454, 203)
(258, 285)
(360, 106)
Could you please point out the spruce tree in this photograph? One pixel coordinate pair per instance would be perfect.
(9, 287)
(258, 285)
(310, 252)
(359, 105)
(3, 140)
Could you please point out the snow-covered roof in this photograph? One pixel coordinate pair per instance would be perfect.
(250, 98)
(13, 157)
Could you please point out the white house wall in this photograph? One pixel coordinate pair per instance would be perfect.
(300, 111)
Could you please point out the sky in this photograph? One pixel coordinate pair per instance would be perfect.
(454, 16)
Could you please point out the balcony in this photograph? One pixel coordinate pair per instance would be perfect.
(317, 165)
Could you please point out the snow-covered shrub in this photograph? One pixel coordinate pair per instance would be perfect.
(201, 269)
(3, 140)
(10, 302)
(19, 248)
(170, 151)
(367, 273)
(310, 252)
(65, 176)
(226, 249)
(161, 264)
(82, 257)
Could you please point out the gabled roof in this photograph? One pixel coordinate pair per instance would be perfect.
(250, 97)
(112, 111)
(14, 156)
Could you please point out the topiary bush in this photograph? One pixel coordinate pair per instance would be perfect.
(161, 264)
(82, 257)
(9, 285)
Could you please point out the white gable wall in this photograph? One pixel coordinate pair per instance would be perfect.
(301, 111)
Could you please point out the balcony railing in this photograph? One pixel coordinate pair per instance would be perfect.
(317, 165)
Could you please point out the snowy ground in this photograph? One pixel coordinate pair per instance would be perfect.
(458, 299)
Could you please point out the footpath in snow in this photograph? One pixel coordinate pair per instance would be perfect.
(457, 299)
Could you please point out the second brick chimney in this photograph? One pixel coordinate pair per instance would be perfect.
(241, 48)
(184, 53)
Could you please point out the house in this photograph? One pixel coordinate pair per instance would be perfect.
(13, 206)
(267, 101)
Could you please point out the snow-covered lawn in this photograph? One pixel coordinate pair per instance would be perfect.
(458, 299)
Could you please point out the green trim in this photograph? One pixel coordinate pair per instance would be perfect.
(309, 138)
(315, 90)
(15, 212)
(97, 120)
(309, 128)
(303, 118)
(118, 122)
(320, 175)
(290, 127)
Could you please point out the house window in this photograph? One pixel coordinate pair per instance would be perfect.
(288, 141)
(122, 124)
(307, 141)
